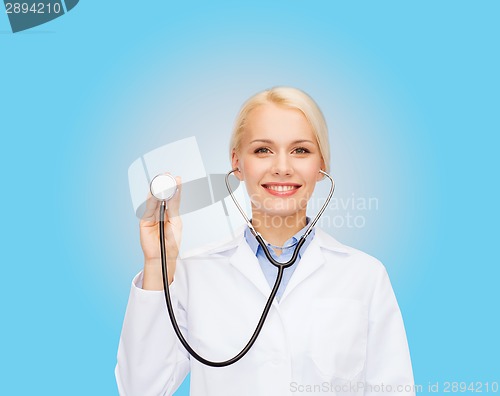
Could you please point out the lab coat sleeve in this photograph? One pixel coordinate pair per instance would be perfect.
(151, 361)
(388, 364)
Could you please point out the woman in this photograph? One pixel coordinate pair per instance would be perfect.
(334, 327)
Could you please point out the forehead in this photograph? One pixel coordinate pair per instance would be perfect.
(271, 120)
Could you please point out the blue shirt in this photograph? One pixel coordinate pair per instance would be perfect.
(269, 270)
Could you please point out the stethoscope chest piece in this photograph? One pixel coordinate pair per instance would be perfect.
(163, 187)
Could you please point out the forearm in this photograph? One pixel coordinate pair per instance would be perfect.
(149, 361)
(153, 276)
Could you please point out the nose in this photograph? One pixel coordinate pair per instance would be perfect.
(282, 165)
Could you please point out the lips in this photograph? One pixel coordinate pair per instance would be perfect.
(281, 189)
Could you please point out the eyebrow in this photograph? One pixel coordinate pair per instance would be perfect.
(270, 141)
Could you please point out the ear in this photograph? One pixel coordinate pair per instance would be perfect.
(323, 168)
(235, 163)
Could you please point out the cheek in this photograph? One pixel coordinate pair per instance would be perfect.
(252, 170)
(313, 174)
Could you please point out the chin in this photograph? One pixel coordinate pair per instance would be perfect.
(283, 212)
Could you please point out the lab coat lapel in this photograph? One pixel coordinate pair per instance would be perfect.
(247, 263)
(314, 258)
(311, 261)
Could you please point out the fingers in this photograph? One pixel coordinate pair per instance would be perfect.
(174, 228)
(175, 202)
(152, 209)
(173, 237)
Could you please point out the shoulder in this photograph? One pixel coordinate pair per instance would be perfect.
(354, 257)
(221, 247)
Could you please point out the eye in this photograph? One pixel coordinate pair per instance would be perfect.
(262, 150)
(301, 150)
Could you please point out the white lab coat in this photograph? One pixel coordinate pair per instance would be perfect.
(336, 330)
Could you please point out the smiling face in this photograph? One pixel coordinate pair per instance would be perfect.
(279, 160)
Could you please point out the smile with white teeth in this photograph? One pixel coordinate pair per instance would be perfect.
(281, 188)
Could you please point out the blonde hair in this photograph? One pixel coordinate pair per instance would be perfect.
(288, 97)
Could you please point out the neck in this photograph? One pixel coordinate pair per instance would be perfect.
(278, 229)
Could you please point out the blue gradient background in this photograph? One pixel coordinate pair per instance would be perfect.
(410, 92)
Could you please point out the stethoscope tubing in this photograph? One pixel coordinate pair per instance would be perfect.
(281, 267)
(171, 313)
(259, 238)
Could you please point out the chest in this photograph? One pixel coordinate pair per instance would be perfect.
(322, 323)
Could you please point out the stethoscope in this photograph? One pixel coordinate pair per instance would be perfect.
(163, 187)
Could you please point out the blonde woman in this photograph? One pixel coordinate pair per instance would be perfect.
(334, 327)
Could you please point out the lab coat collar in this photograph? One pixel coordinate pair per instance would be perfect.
(241, 257)
(326, 241)
(313, 258)
(322, 238)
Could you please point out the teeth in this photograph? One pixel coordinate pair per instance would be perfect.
(281, 188)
